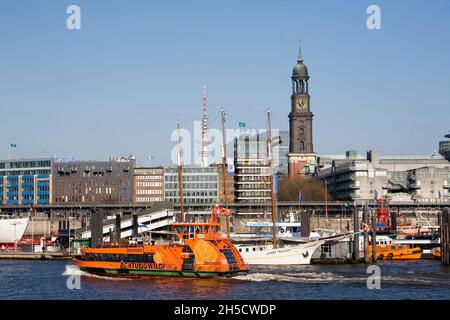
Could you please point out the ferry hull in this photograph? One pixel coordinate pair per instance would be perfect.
(143, 274)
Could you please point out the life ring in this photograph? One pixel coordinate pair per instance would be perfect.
(380, 257)
(390, 256)
(281, 230)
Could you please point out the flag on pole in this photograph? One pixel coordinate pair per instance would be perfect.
(13, 145)
(242, 124)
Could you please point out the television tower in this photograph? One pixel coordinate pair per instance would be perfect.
(205, 153)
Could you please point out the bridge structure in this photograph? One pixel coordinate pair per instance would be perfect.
(237, 209)
(148, 221)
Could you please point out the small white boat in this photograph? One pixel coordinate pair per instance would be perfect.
(266, 254)
(12, 229)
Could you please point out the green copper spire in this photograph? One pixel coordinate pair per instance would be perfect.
(300, 58)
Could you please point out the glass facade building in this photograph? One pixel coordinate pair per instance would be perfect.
(200, 185)
(252, 171)
(26, 181)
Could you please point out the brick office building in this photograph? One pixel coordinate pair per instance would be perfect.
(148, 185)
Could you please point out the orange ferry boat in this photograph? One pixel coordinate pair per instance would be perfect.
(203, 251)
(386, 249)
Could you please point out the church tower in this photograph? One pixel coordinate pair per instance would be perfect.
(302, 158)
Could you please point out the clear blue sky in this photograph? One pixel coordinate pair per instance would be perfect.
(118, 85)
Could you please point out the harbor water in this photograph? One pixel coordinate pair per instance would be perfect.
(425, 279)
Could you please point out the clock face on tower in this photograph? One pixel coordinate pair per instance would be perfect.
(301, 105)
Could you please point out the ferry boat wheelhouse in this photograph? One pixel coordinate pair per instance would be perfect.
(202, 251)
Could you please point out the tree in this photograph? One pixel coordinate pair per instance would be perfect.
(312, 189)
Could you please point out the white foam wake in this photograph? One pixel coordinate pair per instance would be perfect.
(72, 270)
(297, 277)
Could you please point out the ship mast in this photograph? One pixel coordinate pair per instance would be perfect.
(180, 173)
(272, 187)
(224, 168)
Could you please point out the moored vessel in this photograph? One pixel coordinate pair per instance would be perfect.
(387, 249)
(12, 229)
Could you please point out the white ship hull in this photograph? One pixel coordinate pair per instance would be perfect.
(12, 230)
(288, 255)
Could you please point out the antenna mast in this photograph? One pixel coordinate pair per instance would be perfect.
(272, 187)
(205, 153)
(180, 173)
(224, 168)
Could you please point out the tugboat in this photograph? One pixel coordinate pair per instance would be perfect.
(202, 251)
(387, 249)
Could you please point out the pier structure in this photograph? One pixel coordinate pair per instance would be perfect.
(445, 237)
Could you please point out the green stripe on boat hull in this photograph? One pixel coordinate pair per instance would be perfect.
(136, 273)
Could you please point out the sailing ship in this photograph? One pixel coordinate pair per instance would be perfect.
(273, 253)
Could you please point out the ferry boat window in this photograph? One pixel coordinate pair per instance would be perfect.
(392, 247)
(246, 249)
(121, 257)
(400, 247)
(180, 229)
(240, 250)
(260, 249)
(254, 249)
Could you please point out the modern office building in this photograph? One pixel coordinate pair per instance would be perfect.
(26, 181)
(229, 178)
(280, 150)
(444, 147)
(93, 182)
(252, 170)
(401, 178)
(200, 185)
(148, 185)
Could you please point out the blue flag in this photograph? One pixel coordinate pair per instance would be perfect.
(241, 124)
(13, 145)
